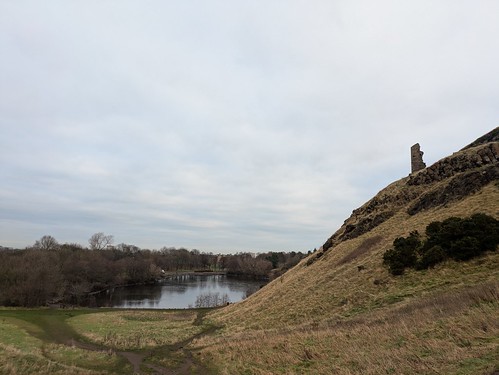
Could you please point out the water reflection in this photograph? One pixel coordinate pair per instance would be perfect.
(180, 291)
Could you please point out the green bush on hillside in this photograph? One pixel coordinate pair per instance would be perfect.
(431, 257)
(404, 253)
(454, 238)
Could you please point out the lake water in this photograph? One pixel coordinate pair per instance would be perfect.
(178, 292)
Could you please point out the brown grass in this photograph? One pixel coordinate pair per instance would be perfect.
(329, 318)
(14, 361)
(439, 335)
(362, 249)
(331, 287)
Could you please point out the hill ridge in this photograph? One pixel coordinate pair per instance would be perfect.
(475, 166)
(340, 311)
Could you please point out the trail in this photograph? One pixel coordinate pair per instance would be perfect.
(187, 364)
(181, 360)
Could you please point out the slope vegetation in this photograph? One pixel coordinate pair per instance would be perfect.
(340, 312)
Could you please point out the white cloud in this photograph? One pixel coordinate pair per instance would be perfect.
(229, 125)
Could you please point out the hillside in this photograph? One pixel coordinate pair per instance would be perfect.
(340, 312)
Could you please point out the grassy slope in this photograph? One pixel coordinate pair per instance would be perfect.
(329, 317)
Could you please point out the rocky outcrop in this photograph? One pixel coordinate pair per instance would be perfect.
(448, 180)
(466, 160)
(458, 187)
(492, 136)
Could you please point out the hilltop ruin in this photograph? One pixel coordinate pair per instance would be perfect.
(417, 162)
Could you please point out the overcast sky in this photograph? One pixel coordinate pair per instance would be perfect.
(229, 125)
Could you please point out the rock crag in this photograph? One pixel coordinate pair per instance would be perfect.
(449, 179)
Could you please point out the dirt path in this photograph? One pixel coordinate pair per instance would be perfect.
(186, 363)
(173, 359)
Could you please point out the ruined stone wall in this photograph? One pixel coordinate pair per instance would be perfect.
(417, 158)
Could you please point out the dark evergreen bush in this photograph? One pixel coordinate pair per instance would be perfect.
(486, 231)
(456, 238)
(394, 261)
(431, 257)
(465, 248)
(403, 254)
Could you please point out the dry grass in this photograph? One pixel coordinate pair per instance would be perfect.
(440, 335)
(85, 359)
(329, 287)
(365, 247)
(330, 318)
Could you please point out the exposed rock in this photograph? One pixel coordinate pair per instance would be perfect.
(458, 187)
(460, 162)
(365, 225)
(492, 136)
(448, 180)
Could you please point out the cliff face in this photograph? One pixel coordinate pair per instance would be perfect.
(448, 180)
(463, 174)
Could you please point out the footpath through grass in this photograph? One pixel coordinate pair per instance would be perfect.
(103, 341)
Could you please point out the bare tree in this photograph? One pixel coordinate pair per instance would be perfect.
(100, 241)
(211, 300)
(46, 243)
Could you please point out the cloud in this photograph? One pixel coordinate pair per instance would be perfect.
(229, 126)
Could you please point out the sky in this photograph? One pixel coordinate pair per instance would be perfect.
(229, 126)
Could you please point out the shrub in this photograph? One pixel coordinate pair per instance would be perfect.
(485, 230)
(403, 254)
(431, 257)
(465, 248)
(394, 261)
(456, 238)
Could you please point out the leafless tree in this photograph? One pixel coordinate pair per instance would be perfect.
(99, 241)
(46, 243)
(211, 300)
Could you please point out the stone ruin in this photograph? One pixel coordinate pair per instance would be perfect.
(417, 162)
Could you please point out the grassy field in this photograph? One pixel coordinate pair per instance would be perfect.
(35, 342)
(127, 330)
(84, 341)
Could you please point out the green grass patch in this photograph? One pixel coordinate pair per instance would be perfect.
(94, 360)
(132, 330)
(483, 365)
(17, 363)
(33, 342)
(46, 341)
(13, 333)
(48, 325)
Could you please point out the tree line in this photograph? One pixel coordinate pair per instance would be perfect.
(49, 272)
